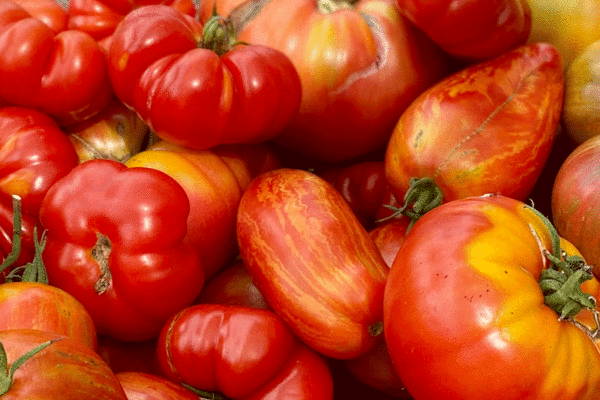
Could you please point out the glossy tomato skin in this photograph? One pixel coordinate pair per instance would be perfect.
(62, 74)
(49, 12)
(214, 181)
(576, 200)
(66, 369)
(193, 96)
(33, 305)
(114, 241)
(240, 349)
(488, 128)
(464, 315)
(312, 261)
(146, 386)
(346, 58)
(99, 18)
(472, 30)
(34, 154)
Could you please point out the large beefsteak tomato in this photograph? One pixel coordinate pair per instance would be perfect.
(476, 308)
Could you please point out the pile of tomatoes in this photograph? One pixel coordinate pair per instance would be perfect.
(307, 199)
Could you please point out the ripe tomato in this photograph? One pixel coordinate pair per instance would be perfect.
(576, 200)
(312, 260)
(62, 74)
(488, 128)
(33, 305)
(465, 316)
(49, 12)
(472, 30)
(99, 18)
(65, 369)
(361, 63)
(146, 386)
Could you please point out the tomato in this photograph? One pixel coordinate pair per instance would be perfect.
(232, 285)
(312, 260)
(62, 74)
(49, 12)
(582, 104)
(472, 30)
(124, 356)
(194, 86)
(465, 315)
(246, 353)
(214, 181)
(34, 154)
(115, 242)
(145, 386)
(99, 18)
(576, 200)
(570, 26)
(364, 186)
(65, 369)
(115, 133)
(360, 63)
(488, 128)
(33, 305)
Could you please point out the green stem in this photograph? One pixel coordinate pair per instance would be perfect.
(17, 233)
(7, 374)
(206, 394)
(422, 196)
(218, 35)
(331, 6)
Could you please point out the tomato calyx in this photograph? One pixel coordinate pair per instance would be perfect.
(100, 253)
(422, 196)
(561, 282)
(7, 374)
(33, 271)
(331, 6)
(206, 395)
(219, 35)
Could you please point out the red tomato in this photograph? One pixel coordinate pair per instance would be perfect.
(360, 63)
(99, 18)
(312, 260)
(240, 349)
(214, 181)
(473, 30)
(145, 386)
(124, 356)
(465, 316)
(488, 128)
(115, 242)
(62, 74)
(49, 12)
(34, 154)
(33, 305)
(166, 67)
(576, 200)
(65, 369)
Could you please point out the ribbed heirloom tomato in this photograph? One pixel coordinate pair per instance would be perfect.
(476, 306)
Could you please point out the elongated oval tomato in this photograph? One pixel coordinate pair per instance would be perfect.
(312, 260)
(466, 318)
(488, 128)
(161, 65)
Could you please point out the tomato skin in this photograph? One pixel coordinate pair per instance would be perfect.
(34, 154)
(214, 181)
(240, 348)
(124, 356)
(145, 386)
(192, 96)
(312, 260)
(114, 241)
(488, 128)
(99, 18)
(67, 369)
(71, 84)
(346, 60)
(49, 12)
(473, 30)
(474, 304)
(33, 305)
(576, 200)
